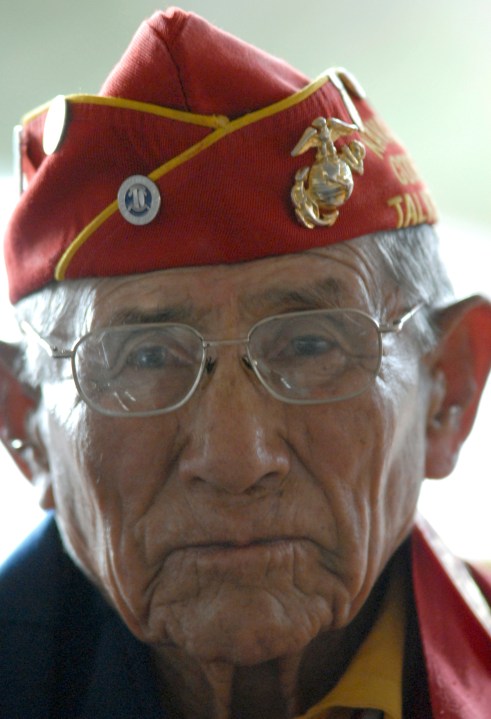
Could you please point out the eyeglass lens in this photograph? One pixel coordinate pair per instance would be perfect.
(316, 356)
(124, 370)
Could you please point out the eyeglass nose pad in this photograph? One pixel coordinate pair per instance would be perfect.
(247, 362)
(210, 365)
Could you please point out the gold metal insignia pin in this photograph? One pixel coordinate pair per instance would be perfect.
(320, 189)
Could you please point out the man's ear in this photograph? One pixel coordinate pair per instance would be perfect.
(459, 367)
(18, 434)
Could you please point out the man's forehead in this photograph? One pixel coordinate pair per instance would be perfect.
(334, 277)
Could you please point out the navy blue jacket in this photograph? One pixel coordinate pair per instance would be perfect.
(64, 653)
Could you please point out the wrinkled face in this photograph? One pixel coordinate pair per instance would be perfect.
(238, 527)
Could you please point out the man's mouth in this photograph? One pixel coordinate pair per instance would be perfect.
(242, 550)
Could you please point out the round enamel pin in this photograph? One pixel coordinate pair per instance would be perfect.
(55, 124)
(139, 200)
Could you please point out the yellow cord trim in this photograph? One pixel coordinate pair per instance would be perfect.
(218, 134)
(233, 126)
(32, 114)
(89, 230)
(120, 102)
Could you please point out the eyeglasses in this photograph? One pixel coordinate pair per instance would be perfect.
(308, 357)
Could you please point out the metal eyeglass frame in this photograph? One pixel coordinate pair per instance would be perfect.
(54, 352)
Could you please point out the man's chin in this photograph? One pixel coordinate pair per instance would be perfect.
(244, 628)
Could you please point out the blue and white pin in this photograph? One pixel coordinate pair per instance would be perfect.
(139, 200)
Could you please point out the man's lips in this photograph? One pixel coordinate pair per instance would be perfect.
(238, 547)
(248, 542)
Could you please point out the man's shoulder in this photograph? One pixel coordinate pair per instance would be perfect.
(454, 617)
(28, 578)
(28, 587)
(63, 650)
(463, 585)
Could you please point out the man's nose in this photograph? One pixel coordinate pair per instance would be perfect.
(237, 438)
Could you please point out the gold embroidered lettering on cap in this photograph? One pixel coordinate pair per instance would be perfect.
(413, 208)
(321, 189)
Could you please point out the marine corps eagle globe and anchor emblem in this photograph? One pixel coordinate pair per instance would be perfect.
(321, 189)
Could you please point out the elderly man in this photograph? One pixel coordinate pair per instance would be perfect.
(241, 357)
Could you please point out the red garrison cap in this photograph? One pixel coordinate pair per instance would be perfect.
(201, 149)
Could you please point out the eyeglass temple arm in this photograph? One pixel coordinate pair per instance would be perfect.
(398, 324)
(53, 352)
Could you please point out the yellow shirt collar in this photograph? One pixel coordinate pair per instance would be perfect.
(373, 679)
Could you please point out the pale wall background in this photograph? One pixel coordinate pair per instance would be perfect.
(426, 66)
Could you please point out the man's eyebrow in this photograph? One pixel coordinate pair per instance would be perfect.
(137, 316)
(324, 293)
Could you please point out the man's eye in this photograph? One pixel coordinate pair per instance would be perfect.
(311, 345)
(151, 357)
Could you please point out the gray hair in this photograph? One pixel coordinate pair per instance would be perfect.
(52, 312)
(410, 259)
